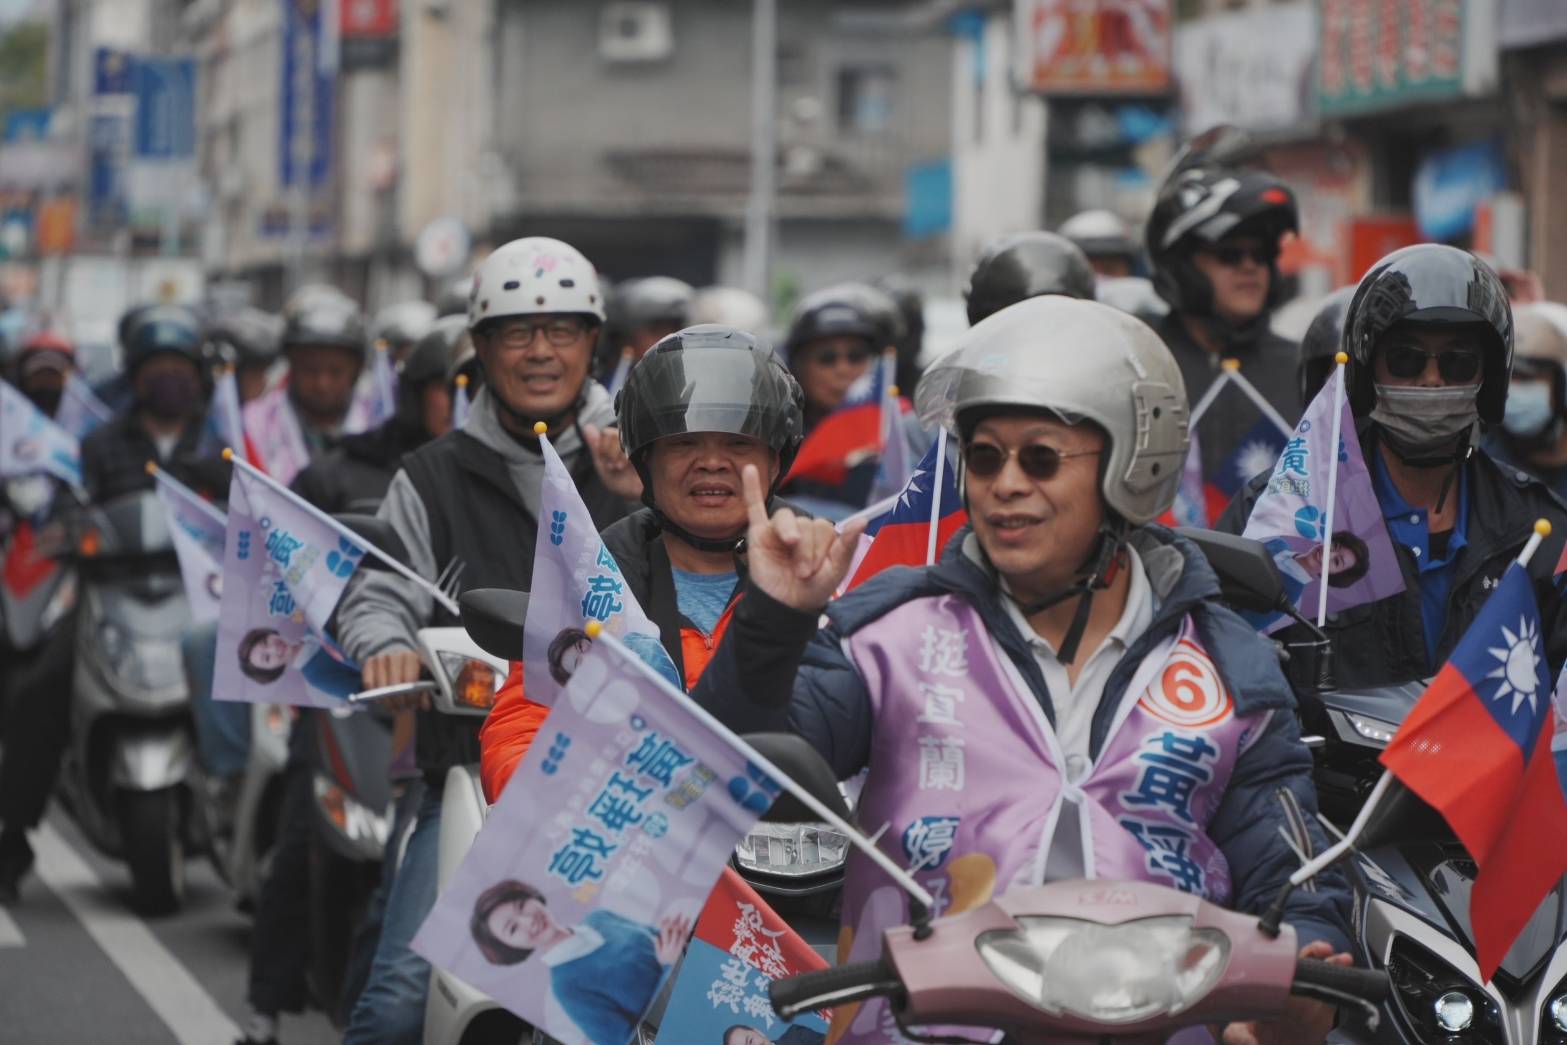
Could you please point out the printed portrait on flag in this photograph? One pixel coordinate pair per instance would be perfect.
(576, 899)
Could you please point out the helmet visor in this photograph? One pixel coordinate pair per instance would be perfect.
(707, 388)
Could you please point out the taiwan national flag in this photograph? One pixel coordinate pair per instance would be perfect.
(901, 537)
(1484, 748)
(846, 437)
(1252, 455)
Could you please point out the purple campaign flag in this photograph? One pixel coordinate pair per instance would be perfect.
(375, 400)
(80, 410)
(267, 651)
(617, 377)
(32, 444)
(197, 529)
(1191, 497)
(1294, 510)
(224, 420)
(276, 436)
(576, 579)
(579, 893)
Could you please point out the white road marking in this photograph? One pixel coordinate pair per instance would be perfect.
(10, 934)
(168, 987)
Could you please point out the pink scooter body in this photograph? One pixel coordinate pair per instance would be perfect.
(949, 983)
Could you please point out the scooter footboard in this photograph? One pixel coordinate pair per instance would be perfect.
(151, 756)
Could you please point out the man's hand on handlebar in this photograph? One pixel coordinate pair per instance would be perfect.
(396, 667)
(1303, 1021)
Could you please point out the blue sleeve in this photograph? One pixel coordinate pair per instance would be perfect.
(606, 992)
(1246, 828)
(830, 706)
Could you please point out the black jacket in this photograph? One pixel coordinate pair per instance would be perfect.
(1268, 363)
(1383, 642)
(353, 476)
(115, 456)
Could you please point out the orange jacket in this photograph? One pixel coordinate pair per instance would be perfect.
(515, 720)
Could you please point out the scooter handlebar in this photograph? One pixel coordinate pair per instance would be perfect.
(1333, 982)
(836, 986)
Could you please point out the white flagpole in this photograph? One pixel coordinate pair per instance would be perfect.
(436, 593)
(935, 495)
(1261, 403)
(1209, 396)
(1332, 505)
(597, 633)
(212, 510)
(1330, 855)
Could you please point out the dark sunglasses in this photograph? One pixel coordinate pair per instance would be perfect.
(1230, 255)
(833, 356)
(985, 460)
(1406, 361)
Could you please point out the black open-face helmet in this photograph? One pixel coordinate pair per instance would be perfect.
(1322, 343)
(1431, 284)
(1027, 265)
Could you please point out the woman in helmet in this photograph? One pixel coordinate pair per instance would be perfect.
(1213, 242)
(1429, 335)
(1533, 433)
(1025, 707)
(703, 403)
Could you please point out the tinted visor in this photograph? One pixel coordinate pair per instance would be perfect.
(708, 384)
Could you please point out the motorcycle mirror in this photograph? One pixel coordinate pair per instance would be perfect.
(494, 618)
(792, 754)
(378, 532)
(1249, 579)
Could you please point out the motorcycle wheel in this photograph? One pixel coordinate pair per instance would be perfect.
(154, 848)
(339, 895)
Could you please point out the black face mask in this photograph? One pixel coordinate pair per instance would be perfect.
(169, 397)
(46, 399)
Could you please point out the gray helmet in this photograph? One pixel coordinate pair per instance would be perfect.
(317, 314)
(403, 324)
(453, 299)
(1082, 361)
(247, 337)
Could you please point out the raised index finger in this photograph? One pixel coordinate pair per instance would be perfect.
(755, 501)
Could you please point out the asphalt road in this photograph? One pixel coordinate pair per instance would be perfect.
(78, 965)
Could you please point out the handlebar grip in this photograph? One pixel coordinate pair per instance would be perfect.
(835, 986)
(1368, 984)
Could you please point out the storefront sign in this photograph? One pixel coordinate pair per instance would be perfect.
(1383, 54)
(1094, 46)
(1251, 68)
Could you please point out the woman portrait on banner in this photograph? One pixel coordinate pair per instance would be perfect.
(265, 655)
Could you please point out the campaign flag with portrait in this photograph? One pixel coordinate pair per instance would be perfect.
(276, 436)
(375, 397)
(741, 946)
(225, 421)
(576, 899)
(32, 444)
(197, 529)
(80, 409)
(1291, 513)
(576, 580)
(283, 572)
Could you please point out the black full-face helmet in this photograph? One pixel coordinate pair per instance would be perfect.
(1027, 265)
(1323, 340)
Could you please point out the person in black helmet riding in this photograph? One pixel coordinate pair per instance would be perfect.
(1213, 242)
(1429, 334)
(642, 312)
(1321, 344)
(1026, 265)
(251, 341)
(703, 403)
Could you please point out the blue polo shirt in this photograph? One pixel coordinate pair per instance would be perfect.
(1407, 525)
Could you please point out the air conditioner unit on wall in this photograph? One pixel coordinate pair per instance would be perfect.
(635, 31)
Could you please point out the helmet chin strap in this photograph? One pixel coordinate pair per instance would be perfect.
(705, 544)
(1097, 574)
(1463, 449)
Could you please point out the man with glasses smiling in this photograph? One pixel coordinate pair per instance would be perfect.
(1064, 691)
(467, 505)
(1429, 334)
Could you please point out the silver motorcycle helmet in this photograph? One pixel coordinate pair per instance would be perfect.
(1082, 361)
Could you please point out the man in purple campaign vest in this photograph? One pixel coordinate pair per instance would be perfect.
(1062, 695)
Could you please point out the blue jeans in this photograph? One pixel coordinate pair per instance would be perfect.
(222, 726)
(390, 1010)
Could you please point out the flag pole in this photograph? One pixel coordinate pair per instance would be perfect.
(597, 633)
(1261, 403)
(1230, 366)
(935, 496)
(160, 476)
(1327, 517)
(1330, 855)
(435, 592)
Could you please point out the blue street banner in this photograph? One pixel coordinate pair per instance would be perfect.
(576, 580)
(579, 893)
(165, 90)
(306, 97)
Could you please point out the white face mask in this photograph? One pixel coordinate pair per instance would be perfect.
(1423, 420)
(1528, 409)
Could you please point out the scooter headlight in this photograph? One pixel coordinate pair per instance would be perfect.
(1455, 1012)
(1437, 1002)
(363, 827)
(474, 683)
(1114, 974)
(1558, 1012)
(792, 850)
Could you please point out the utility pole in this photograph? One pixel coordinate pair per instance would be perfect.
(759, 213)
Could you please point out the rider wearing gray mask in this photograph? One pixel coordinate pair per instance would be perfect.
(1533, 433)
(1429, 334)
